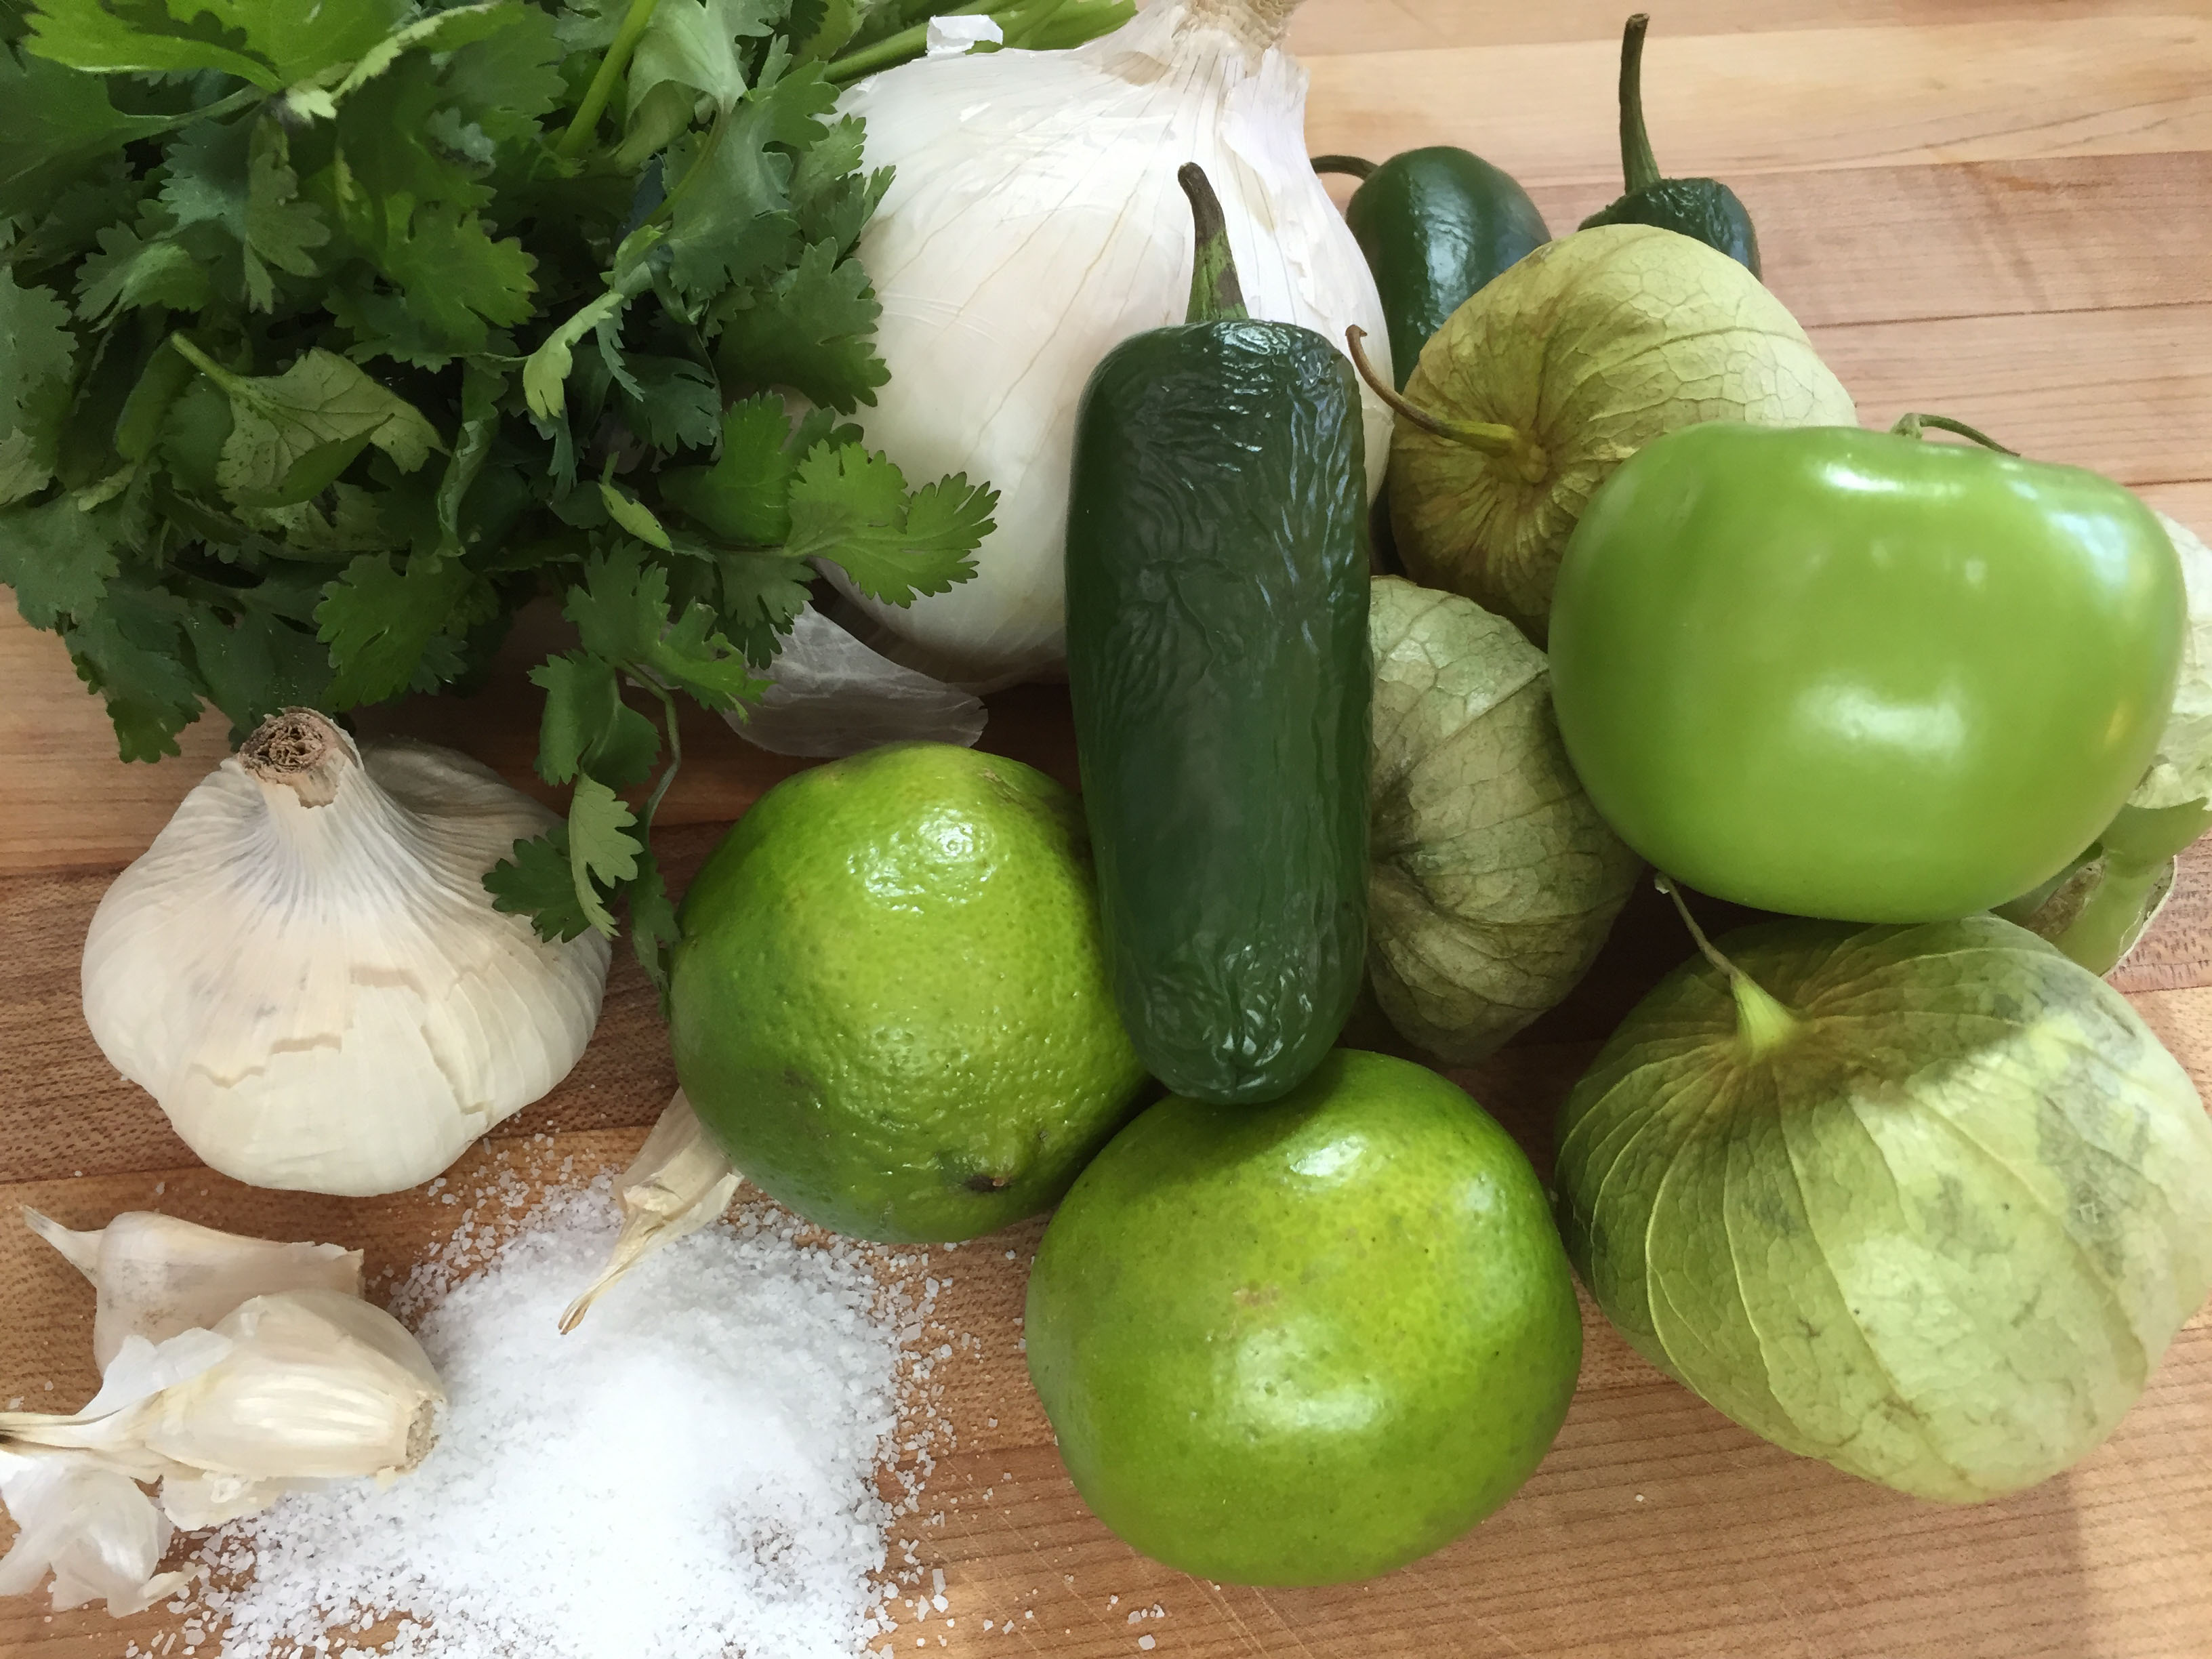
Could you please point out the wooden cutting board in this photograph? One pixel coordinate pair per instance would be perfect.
(1998, 209)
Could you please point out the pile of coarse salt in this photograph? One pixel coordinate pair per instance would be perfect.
(689, 1474)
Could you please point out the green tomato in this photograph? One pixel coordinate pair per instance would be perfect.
(1854, 675)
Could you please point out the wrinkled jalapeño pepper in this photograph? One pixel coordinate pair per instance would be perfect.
(1217, 665)
(1704, 209)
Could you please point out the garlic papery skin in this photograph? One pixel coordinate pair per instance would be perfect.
(679, 1181)
(1033, 222)
(305, 971)
(154, 1276)
(101, 1536)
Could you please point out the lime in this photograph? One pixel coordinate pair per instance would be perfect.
(1309, 1342)
(891, 1003)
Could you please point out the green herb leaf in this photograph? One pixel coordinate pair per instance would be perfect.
(388, 628)
(271, 43)
(58, 558)
(131, 650)
(811, 330)
(536, 881)
(653, 931)
(37, 353)
(745, 496)
(851, 508)
(600, 847)
(293, 434)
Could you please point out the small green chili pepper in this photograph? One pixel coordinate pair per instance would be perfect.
(1703, 208)
(1435, 225)
(1217, 665)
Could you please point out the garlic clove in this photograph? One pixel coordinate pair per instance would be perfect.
(208, 1500)
(317, 1386)
(306, 970)
(98, 1534)
(157, 1276)
(678, 1182)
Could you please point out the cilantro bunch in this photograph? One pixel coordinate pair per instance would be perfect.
(333, 331)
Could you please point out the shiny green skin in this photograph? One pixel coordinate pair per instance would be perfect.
(1435, 225)
(1217, 659)
(1845, 674)
(881, 1102)
(1310, 1343)
(1704, 209)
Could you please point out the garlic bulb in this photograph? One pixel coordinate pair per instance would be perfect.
(305, 971)
(1033, 224)
(679, 1181)
(272, 1385)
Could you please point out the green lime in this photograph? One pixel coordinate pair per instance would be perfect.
(891, 1003)
(1309, 1342)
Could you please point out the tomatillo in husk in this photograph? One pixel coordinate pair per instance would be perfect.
(1855, 675)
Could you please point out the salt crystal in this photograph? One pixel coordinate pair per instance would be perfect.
(1145, 1643)
(692, 1472)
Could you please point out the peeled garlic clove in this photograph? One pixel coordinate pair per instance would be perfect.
(679, 1181)
(317, 1385)
(156, 1276)
(306, 970)
(100, 1535)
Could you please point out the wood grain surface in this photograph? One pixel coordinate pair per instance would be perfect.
(1998, 209)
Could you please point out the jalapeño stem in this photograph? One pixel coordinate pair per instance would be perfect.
(1358, 166)
(1639, 167)
(1216, 296)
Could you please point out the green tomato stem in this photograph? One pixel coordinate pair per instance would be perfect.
(1358, 166)
(1216, 296)
(1762, 1024)
(586, 125)
(1911, 426)
(1526, 456)
(1639, 167)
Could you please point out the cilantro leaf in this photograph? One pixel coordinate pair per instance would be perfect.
(690, 47)
(37, 353)
(388, 628)
(293, 434)
(744, 496)
(535, 880)
(256, 663)
(455, 279)
(811, 330)
(139, 267)
(677, 405)
(636, 517)
(600, 846)
(851, 508)
(762, 593)
(58, 558)
(131, 650)
(694, 654)
(59, 122)
(271, 43)
(239, 179)
(621, 607)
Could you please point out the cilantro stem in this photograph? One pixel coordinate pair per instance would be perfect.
(645, 682)
(582, 130)
(895, 49)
